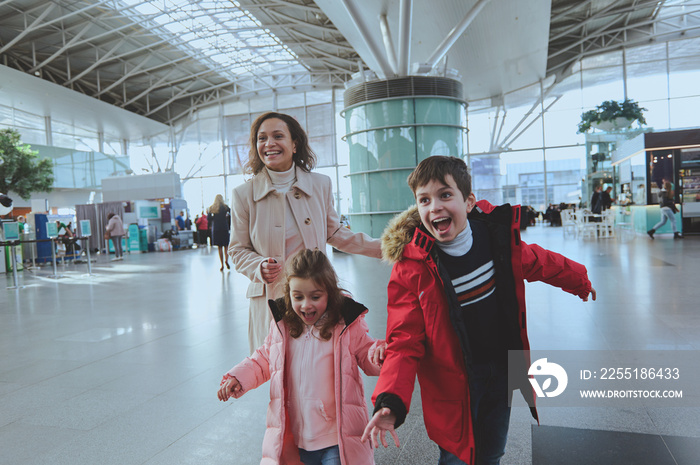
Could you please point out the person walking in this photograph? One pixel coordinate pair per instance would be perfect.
(284, 208)
(115, 231)
(202, 229)
(219, 221)
(668, 211)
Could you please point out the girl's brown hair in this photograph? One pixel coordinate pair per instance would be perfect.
(304, 157)
(313, 265)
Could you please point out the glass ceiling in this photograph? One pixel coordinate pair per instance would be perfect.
(222, 32)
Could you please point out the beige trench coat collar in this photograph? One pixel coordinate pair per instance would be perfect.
(262, 184)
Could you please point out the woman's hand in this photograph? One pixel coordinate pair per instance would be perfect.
(270, 270)
(230, 388)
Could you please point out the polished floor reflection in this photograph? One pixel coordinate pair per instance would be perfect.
(122, 367)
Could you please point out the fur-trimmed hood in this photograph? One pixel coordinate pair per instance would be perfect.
(398, 233)
(401, 230)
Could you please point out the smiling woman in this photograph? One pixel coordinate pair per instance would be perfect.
(284, 208)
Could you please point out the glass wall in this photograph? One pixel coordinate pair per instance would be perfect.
(82, 157)
(520, 154)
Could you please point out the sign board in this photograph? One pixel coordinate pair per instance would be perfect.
(11, 231)
(148, 211)
(85, 229)
(51, 229)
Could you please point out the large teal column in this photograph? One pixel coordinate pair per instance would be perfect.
(391, 126)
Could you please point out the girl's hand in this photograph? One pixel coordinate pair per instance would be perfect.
(378, 355)
(382, 421)
(270, 270)
(230, 388)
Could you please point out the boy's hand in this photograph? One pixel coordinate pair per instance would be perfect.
(230, 388)
(585, 299)
(378, 355)
(381, 422)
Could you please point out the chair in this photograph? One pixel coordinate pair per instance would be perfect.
(626, 226)
(568, 222)
(586, 228)
(606, 228)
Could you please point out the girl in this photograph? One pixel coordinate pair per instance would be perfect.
(317, 410)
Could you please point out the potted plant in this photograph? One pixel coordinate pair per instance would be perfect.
(611, 115)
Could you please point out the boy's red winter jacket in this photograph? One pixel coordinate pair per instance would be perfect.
(421, 337)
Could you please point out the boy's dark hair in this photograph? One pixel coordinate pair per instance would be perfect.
(304, 157)
(313, 265)
(436, 168)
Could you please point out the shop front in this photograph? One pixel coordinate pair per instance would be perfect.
(650, 163)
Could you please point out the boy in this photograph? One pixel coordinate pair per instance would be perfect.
(456, 306)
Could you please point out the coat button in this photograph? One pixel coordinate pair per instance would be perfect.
(297, 195)
(307, 221)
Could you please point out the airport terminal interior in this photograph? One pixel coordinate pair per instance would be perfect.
(144, 108)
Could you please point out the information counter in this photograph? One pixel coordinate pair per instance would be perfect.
(643, 217)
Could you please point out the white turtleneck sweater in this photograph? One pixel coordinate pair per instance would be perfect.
(282, 182)
(460, 245)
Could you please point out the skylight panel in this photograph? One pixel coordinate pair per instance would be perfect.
(219, 31)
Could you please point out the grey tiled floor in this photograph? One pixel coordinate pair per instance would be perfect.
(123, 367)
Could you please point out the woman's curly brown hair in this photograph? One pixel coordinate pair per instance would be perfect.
(313, 265)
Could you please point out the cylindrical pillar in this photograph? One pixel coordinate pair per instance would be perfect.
(391, 126)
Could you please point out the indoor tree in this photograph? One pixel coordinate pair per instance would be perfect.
(21, 169)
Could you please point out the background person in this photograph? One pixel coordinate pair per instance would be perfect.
(115, 231)
(668, 210)
(202, 225)
(219, 222)
(605, 200)
(595, 199)
(284, 208)
(180, 221)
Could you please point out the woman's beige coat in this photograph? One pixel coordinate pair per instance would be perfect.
(258, 232)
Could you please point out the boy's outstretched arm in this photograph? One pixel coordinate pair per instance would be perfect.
(381, 422)
(539, 264)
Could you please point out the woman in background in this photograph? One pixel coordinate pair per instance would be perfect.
(115, 231)
(220, 224)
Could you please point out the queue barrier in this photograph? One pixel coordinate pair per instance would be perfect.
(54, 241)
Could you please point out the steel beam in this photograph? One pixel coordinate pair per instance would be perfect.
(28, 29)
(405, 23)
(374, 48)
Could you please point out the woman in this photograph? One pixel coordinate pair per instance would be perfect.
(220, 223)
(284, 208)
(115, 231)
(668, 210)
